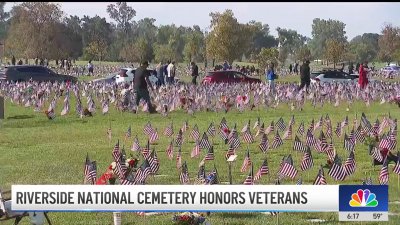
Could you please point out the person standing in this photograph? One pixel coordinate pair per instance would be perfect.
(140, 83)
(90, 67)
(13, 61)
(194, 72)
(351, 68)
(296, 70)
(270, 75)
(290, 68)
(226, 65)
(363, 80)
(305, 76)
(160, 74)
(171, 72)
(166, 78)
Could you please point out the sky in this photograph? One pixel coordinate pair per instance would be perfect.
(359, 17)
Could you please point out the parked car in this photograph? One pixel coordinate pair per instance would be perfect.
(390, 69)
(126, 75)
(35, 73)
(332, 76)
(228, 76)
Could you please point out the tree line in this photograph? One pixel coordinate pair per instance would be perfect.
(41, 29)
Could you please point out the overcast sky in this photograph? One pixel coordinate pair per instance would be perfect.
(359, 17)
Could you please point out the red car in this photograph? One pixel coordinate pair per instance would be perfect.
(228, 76)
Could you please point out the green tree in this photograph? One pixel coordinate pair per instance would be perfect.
(388, 42)
(303, 53)
(194, 43)
(163, 53)
(322, 30)
(34, 30)
(123, 15)
(97, 49)
(365, 47)
(266, 56)
(4, 16)
(228, 38)
(334, 51)
(261, 38)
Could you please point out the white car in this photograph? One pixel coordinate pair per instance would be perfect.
(326, 76)
(126, 75)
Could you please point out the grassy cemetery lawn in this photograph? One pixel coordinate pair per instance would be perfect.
(35, 150)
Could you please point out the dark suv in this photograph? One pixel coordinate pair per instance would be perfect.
(35, 73)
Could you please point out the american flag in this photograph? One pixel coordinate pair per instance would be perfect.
(247, 136)
(264, 170)
(257, 123)
(277, 141)
(337, 171)
(329, 129)
(210, 154)
(349, 144)
(367, 181)
(135, 145)
(143, 172)
(385, 142)
(179, 158)
(179, 138)
(291, 122)
(281, 124)
(146, 150)
(169, 131)
(307, 161)
(319, 123)
(201, 176)
(129, 180)
(375, 128)
(310, 139)
(211, 130)
(330, 151)
(264, 145)
(120, 169)
(298, 145)
(184, 177)
(350, 164)
(128, 132)
(246, 127)
(148, 130)
(195, 134)
(301, 129)
(320, 179)
(204, 142)
(195, 151)
(359, 134)
(396, 168)
(299, 181)
(392, 139)
(338, 130)
(249, 179)
(287, 168)
(261, 130)
(185, 126)
(345, 122)
(154, 136)
(154, 162)
(170, 150)
(383, 125)
(231, 151)
(376, 154)
(271, 128)
(90, 171)
(384, 173)
(322, 144)
(234, 139)
(288, 134)
(246, 162)
(223, 124)
(311, 125)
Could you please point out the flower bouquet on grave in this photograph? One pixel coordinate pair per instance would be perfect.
(188, 218)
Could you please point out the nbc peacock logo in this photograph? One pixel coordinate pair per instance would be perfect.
(363, 198)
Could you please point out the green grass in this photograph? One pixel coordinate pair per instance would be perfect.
(35, 150)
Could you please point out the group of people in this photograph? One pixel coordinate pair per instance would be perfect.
(166, 73)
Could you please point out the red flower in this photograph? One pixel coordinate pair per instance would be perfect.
(110, 167)
(244, 98)
(132, 163)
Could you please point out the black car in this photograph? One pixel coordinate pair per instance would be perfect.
(35, 73)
